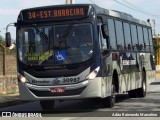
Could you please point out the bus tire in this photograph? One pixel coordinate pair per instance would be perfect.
(132, 93)
(47, 105)
(109, 102)
(143, 90)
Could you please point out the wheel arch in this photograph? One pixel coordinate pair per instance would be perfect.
(115, 79)
(144, 71)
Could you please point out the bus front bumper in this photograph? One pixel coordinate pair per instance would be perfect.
(85, 89)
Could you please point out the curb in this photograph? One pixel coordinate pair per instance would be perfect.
(10, 103)
(8, 100)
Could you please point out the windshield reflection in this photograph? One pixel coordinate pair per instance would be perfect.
(60, 44)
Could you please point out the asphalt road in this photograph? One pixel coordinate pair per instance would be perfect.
(93, 108)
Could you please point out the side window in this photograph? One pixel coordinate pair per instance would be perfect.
(112, 36)
(127, 35)
(104, 40)
(146, 40)
(120, 37)
(140, 38)
(134, 37)
(150, 39)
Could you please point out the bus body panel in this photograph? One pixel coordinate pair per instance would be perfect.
(127, 64)
(100, 87)
(92, 90)
(130, 79)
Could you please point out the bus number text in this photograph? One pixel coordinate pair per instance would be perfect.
(71, 80)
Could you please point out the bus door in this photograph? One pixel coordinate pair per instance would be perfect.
(104, 48)
(103, 37)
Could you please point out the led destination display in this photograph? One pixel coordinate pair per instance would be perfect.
(55, 13)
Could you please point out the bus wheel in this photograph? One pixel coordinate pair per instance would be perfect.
(109, 102)
(47, 105)
(132, 93)
(143, 90)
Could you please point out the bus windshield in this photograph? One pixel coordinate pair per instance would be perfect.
(58, 44)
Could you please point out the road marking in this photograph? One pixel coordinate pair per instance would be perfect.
(70, 118)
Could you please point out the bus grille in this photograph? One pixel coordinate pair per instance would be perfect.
(56, 73)
(49, 94)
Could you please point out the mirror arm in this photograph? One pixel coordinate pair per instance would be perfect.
(10, 24)
(8, 35)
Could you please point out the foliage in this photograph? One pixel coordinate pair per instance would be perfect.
(8, 52)
(156, 45)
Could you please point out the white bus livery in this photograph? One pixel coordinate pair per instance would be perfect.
(82, 51)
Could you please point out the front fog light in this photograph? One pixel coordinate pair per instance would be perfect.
(22, 79)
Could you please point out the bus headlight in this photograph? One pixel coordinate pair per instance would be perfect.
(93, 74)
(22, 78)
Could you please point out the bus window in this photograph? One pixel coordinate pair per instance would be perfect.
(120, 37)
(150, 40)
(30, 38)
(112, 36)
(140, 38)
(104, 37)
(146, 40)
(127, 35)
(134, 37)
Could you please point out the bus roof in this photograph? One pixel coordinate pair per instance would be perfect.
(121, 15)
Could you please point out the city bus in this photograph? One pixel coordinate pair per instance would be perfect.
(82, 51)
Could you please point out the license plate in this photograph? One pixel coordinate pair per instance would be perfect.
(57, 90)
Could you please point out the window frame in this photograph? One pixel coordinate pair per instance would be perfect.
(140, 38)
(115, 37)
(147, 45)
(134, 47)
(118, 33)
(125, 37)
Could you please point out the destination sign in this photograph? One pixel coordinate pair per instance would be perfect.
(55, 13)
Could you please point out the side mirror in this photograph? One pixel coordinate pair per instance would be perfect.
(105, 32)
(8, 39)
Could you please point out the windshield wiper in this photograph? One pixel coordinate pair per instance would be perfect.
(65, 35)
(43, 36)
